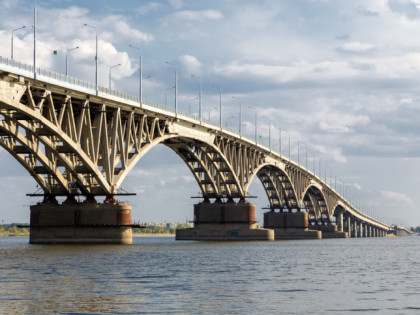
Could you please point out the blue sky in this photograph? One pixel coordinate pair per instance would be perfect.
(340, 76)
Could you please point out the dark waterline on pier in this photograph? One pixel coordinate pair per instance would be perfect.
(160, 275)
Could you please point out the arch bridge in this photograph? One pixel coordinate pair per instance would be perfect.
(71, 137)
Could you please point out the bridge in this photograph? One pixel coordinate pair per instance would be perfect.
(79, 140)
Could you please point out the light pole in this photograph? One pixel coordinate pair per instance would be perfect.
(269, 131)
(220, 104)
(176, 88)
(199, 96)
(211, 110)
(240, 115)
(16, 29)
(110, 68)
(96, 56)
(34, 39)
(226, 121)
(141, 73)
(256, 140)
(67, 53)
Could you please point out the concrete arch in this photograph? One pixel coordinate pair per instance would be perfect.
(277, 178)
(315, 199)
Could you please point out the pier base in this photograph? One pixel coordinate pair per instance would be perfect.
(225, 222)
(290, 225)
(76, 223)
(330, 231)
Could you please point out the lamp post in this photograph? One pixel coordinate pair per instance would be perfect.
(256, 130)
(211, 110)
(199, 96)
(34, 39)
(240, 115)
(96, 55)
(269, 131)
(16, 29)
(176, 88)
(141, 72)
(67, 53)
(226, 121)
(220, 104)
(110, 68)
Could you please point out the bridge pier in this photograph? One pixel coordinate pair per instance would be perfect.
(290, 225)
(339, 221)
(354, 229)
(224, 222)
(80, 223)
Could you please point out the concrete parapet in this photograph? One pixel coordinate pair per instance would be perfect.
(80, 223)
(224, 222)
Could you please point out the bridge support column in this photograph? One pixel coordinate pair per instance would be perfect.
(340, 222)
(360, 230)
(355, 229)
(77, 223)
(290, 225)
(370, 231)
(349, 226)
(224, 222)
(365, 230)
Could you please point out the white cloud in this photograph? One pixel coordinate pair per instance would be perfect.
(407, 100)
(356, 47)
(191, 64)
(176, 3)
(400, 199)
(188, 179)
(198, 15)
(150, 7)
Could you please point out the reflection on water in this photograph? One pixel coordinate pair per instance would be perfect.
(159, 275)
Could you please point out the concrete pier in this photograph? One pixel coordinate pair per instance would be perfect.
(330, 231)
(290, 225)
(80, 223)
(224, 222)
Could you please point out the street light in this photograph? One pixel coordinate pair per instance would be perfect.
(256, 140)
(96, 56)
(226, 120)
(67, 53)
(34, 39)
(176, 75)
(141, 72)
(16, 29)
(110, 68)
(240, 115)
(220, 104)
(211, 110)
(269, 131)
(199, 96)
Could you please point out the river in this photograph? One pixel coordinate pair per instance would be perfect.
(161, 276)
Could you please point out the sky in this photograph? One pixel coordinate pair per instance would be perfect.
(341, 77)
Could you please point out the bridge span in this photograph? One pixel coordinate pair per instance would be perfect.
(76, 140)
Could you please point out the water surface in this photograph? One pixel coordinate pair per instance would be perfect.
(161, 275)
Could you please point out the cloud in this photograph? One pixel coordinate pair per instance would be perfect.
(190, 15)
(191, 64)
(150, 7)
(355, 47)
(400, 199)
(408, 8)
(176, 3)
